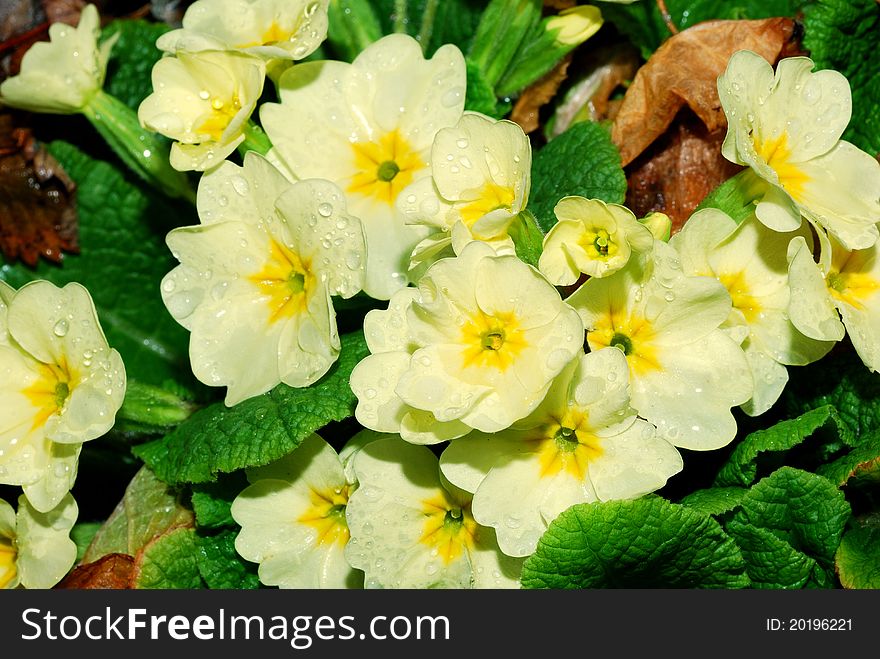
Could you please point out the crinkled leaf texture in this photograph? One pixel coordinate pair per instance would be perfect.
(641, 543)
(770, 444)
(715, 501)
(219, 439)
(220, 565)
(148, 508)
(169, 563)
(853, 390)
(858, 557)
(130, 66)
(861, 465)
(212, 502)
(789, 527)
(845, 35)
(581, 161)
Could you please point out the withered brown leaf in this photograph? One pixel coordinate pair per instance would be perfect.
(678, 170)
(110, 572)
(528, 106)
(684, 71)
(38, 215)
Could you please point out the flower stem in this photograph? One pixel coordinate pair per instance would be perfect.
(427, 26)
(255, 139)
(144, 152)
(400, 16)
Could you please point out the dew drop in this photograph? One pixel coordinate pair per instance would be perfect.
(61, 327)
(325, 209)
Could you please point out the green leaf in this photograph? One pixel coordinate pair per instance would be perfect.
(842, 380)
(773, 563)
(769, 446)
(862, 464)
(858, 557)
(581, 161)
(736, 196)
(845, 35)
(220, 565)
(480, 97)
(148, 509)
(82, 534)
(130, 66)
(122, 259)
(806, 512)
(452, 21)
(170, 562)
(643, 23)
(528, 239)
(640, 543)
(715, 501)
(212, 502)
(150, 406)
(353, 25)
(219, 439)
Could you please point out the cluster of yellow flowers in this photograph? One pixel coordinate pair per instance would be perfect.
(375, 179)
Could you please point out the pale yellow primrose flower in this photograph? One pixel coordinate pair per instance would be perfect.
(257, 275)
(476, 346)
(582, 444)
(292, 518)
(36, 551)
(591, 238)
(60, 385)
(480, 179)
(368, 126)
(845, 282)
(411, 529)
(282, 29)
(787, 128)
(202, 101)
(576, 24)
(62, 75)
(751, 261)
(686, 373)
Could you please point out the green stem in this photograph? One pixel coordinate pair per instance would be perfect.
(255, 139)
(143, 151)
(400, 16)
(427, 26)
(150, 406)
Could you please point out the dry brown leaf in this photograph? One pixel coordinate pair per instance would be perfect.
(110, 572)
(683, 71)
(528, 106)
(678, 170)
(38, 214)
(605, 70)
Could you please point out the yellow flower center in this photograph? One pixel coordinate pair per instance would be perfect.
(384, 168)
(492, 341)
(8, 555)
(598, 244)
(49, 391)
(221, 113)
(276, 33)
(567, 444)
(849, 279)
(449, 528)
(741, 295)
(287, 280)
(491, 197)
(327, 515)
(777, 154)
(633, 335)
